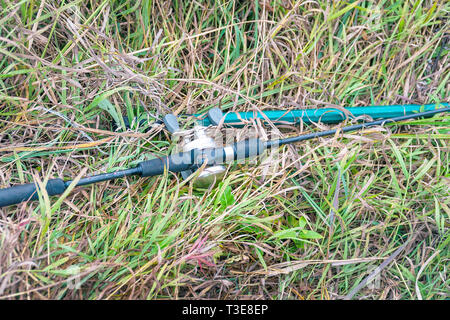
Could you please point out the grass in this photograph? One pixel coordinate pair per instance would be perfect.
(364, 216)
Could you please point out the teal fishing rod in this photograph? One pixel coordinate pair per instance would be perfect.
(308, 116)
(192, 159)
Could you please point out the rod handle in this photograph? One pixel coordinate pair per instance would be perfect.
(174, 163)
(24, 192)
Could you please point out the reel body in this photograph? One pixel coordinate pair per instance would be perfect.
(198, 138)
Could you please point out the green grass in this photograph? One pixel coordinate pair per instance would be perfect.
(68, 69)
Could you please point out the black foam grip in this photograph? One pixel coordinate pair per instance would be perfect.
(248, 148)
(24, 192)
(175, 163)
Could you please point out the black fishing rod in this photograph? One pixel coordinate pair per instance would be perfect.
(190, 160)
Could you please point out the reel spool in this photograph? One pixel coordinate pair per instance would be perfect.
(198, 138)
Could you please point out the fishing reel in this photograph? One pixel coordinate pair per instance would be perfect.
(199, 137)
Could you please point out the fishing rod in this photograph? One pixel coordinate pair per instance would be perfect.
(307, 116)
(198, 153)
(216, 116)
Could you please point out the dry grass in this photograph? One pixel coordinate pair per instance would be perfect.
(263, 232)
